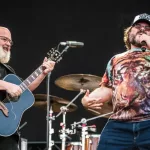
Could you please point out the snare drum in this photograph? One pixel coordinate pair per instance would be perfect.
(74, 146)
(91, 141)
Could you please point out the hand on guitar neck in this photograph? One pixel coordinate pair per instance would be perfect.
(47, 66)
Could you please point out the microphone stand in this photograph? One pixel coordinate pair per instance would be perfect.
(57, 55)
(49, 131)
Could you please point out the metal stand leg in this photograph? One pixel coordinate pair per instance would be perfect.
(24, 144)
(51, 130)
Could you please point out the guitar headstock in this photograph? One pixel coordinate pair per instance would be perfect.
(54, 55)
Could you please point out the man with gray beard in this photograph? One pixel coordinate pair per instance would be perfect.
(11, 142)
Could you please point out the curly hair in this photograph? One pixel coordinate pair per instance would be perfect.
(126, 38)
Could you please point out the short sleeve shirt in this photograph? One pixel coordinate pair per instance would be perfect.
(128, 74)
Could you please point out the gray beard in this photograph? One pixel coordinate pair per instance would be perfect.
(4, 56)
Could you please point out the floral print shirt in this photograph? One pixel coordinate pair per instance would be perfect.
(128, 74)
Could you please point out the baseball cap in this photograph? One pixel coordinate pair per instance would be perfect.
(142, 17)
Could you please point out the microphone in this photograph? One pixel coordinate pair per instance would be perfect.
(72, 44)
(143, 46)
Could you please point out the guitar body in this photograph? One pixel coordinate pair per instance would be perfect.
(10, 124)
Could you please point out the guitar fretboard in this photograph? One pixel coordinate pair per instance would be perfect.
(25, 84)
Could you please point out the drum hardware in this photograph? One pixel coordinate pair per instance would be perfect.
(100, 116)
(84, 120)
(91, 128)
(56, 103)
(85, 128)
(65, 108)
(24, 124)
(83, 134)
(50, 129)
(22, 141)
(63, 130)
(92, 141)
(63, 111)
(64, 134)
(84, 131)
(75, 82)
(78, 126)
(106, 108)
(74, 146)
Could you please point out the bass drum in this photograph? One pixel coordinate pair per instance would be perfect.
(91, 141)
(74, 146)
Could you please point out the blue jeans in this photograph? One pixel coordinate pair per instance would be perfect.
(119, 135)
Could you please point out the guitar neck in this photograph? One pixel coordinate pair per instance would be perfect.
(25, 84)
(53, 55)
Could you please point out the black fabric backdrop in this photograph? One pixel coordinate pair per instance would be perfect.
(37, 26)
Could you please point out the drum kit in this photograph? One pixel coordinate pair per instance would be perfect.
(73, 82)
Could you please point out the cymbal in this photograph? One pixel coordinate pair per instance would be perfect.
(75, 82)
(55, 102)
(106, 108)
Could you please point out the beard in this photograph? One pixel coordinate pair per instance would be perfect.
(4, 56)
(134, 38)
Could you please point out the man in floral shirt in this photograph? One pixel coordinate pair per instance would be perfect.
(126, 82)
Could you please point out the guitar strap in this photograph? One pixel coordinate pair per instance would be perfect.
(9, 68)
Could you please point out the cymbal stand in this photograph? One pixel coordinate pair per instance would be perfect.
(81, 92)
(100, 116)
(86, 120)
(63, 130)
(63, 111)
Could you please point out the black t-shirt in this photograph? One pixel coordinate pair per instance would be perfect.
(4, 70)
